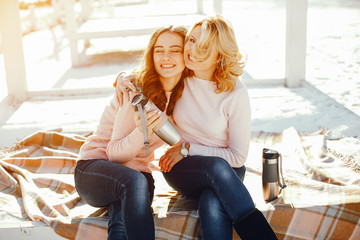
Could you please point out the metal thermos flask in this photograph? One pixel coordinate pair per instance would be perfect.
(164, 129)
(272, 171)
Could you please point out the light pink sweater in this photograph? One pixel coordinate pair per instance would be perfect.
(215, 124)
(117, 139)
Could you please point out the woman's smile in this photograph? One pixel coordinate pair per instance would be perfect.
(167, 65)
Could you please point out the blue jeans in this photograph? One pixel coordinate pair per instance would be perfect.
(125, 192)
(223, 198)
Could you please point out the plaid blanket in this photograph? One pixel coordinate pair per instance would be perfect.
(322, 200)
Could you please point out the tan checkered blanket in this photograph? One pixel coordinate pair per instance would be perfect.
(322, 200)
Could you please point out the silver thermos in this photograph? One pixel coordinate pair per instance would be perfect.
(165, 129)
(271, 175)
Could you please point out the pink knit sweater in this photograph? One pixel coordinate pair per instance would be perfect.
(215, 124)
(117, 139)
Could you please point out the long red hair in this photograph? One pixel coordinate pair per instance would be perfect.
(149, 78)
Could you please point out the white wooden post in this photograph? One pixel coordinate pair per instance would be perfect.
(71, 30)
(200, 8)
(295, 56)
(12, 45)
(32, 17)
(86, 9)
(217, 5)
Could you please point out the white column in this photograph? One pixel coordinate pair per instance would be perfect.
(71, 30)
(217, 5)
(11, 35)
(86, 9)
(32, 17)
(200, 7)
(295, 56)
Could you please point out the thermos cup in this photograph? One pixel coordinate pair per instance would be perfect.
(164, 129)
(272, 171)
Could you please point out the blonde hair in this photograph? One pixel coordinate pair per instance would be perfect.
(149, 78)
(218, 33)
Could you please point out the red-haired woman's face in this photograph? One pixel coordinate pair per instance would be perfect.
(168, 56)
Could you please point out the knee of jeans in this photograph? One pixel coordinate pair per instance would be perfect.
(137, 187)
(209, 204)
(219, 167)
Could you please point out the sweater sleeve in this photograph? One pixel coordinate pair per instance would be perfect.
(126, 139)
(239, 131)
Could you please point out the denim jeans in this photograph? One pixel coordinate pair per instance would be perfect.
(125, 192)
(223, 198)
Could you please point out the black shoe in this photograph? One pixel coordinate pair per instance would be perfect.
(254, 226)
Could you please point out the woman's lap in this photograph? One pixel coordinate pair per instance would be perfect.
(193, 174)
(100, 182)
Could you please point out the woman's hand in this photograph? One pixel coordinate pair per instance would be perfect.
(171, 157)
(153, 118)
(123, 85)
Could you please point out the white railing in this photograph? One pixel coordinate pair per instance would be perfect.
(10, 30)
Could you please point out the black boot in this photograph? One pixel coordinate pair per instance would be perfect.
(254, 226)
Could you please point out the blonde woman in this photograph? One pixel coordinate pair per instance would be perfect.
(213, 116)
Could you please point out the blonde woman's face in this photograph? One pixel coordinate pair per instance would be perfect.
(168, 56)
(202, 69)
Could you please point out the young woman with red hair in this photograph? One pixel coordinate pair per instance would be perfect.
(113, 170)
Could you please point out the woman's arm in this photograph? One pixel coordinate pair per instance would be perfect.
(127, 139)
(124, 144)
